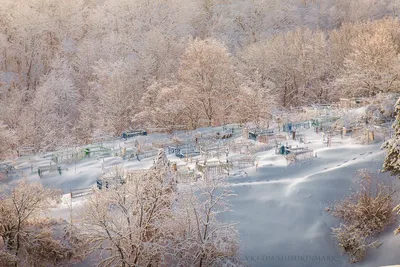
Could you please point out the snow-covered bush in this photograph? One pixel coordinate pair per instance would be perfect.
(392, 160)
(29, 238)
(364, 214)
(352, 242)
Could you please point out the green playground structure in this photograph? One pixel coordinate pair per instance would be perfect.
(96, 150)
(48, 168)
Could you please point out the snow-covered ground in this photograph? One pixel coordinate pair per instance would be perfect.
(280, 209)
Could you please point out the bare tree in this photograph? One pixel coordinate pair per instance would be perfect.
(207, 240)
(125, 224)
(7, 140)
(29, 238)
(144, 222)
(207, 69)
(364, 214)
(372, 65)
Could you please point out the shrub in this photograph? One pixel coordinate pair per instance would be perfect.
(364, 214)
(351, 241)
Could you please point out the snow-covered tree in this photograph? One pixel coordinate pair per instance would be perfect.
(55, 106)
(392, 160)
(128, 223)
(207, 240)
(115, 90)
(8, 140)
(372, 65)
(145, 222)
(168, 105)
(161, 161)
(294, 66)
(254, 104)
(30, 239)
(207, 69)
(122, 48)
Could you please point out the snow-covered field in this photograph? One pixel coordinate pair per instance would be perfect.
(280, 209)
(281, 214)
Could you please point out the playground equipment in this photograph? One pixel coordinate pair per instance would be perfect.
(114, 177)
(96, 150)
(256, 134)
(232, 127)
(292, 126)
(241, 146)
(130, 134)
(213, 166)
(214, 150)
(300, 152)
(139, 154)
(48, 168)
(184, 151)
(282, 149)
(243, 162)
(301, 138)
(323, 122)
(68, 156)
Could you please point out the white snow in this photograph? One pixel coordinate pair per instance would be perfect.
(280, 209)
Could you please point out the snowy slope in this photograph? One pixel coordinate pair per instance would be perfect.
(281, 214)
(279, 208)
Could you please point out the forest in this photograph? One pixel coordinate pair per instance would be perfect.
(74, 70)
(199, 132)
